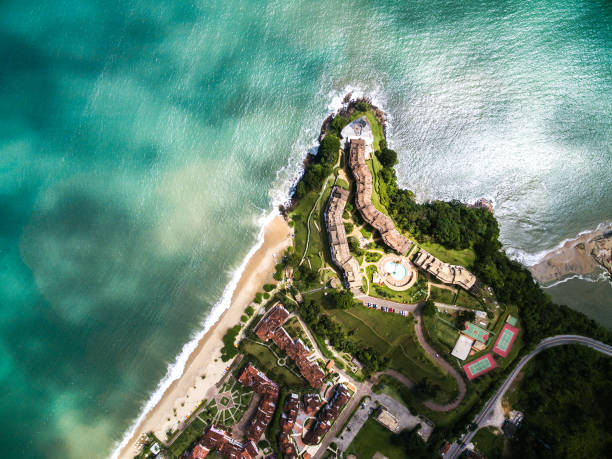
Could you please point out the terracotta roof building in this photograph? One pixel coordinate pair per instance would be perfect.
(253, 378)
(270, 327)
(449, 274)
(327, 415)
(363, 200)
(287, 422)
(338, 243)
(275, 318)
(216, 438)
(311, 403)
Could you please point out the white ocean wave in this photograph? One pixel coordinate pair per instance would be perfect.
(176, 368)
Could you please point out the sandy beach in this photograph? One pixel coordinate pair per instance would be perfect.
(581, 255)
(204, 366)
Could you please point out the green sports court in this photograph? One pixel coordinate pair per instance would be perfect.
(479, 366)
(505, 340)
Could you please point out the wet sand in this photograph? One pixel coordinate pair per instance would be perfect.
(187, 392)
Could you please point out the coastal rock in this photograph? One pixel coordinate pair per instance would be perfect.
(581, 255)
(484, 203)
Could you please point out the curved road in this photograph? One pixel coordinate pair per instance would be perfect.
(547, 343)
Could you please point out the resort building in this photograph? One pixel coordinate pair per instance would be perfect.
(387, 419)
(229, 448)
(448, 274)
(327, 415)
(338, 243)
(363, 200)
(254, 379)
(270, 327)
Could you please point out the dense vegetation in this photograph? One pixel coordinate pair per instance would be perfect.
(566, 397)
(457, 226)
(320, 167)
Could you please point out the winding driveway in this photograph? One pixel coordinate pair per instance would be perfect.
(418, 327)
(559, 340)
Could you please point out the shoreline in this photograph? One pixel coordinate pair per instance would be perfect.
(186, 392)
(581, 255)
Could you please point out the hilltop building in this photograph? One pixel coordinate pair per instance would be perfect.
(270, 327)
(363, 200)
(338, 243)
(252, 378)
(449, 274)
(327, 415)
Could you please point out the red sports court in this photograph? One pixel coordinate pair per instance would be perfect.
(506, 338)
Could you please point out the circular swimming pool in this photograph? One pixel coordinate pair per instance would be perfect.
(397, 270)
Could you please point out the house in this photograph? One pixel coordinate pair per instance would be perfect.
(253, 378)
(228, 447)
(270, 327)
(327, 415)
(287, 422)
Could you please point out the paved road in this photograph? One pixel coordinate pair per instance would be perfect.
(547, 343)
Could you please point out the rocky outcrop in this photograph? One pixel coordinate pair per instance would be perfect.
(581, 255)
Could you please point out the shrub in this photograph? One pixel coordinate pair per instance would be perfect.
(269, 287)
(266, 295)
(258, 298)
(229, 351)
(349, 227)
(244, 318)
(249, 311)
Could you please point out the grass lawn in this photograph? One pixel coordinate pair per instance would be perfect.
(488, 443)
(467, 301)
(374, 438)
(444, 333)
(265, 361)
(442, 295)
(463, 257)
(189, 435)
(393, 335)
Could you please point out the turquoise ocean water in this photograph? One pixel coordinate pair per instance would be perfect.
(142, 143)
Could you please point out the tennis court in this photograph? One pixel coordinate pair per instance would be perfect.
(505, 340)
(476, 332)
(479, 366)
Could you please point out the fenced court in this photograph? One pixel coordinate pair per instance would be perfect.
(505, 340)
(475, 332)
(479, 366)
